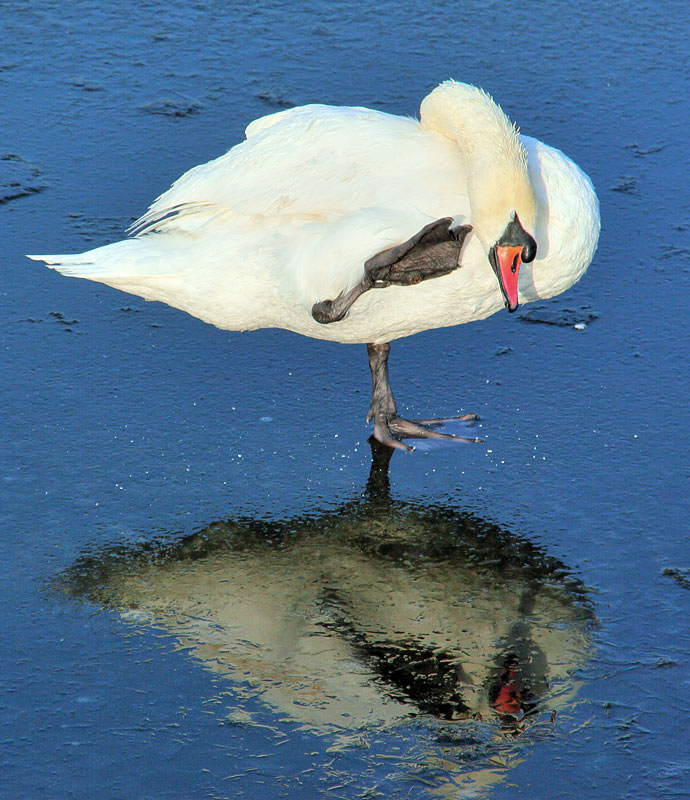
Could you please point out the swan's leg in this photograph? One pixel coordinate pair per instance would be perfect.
(432, 252)
(389, 428)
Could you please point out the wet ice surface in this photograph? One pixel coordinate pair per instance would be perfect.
(131, 433)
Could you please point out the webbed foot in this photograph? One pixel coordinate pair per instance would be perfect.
(390, 429)
(430, 253)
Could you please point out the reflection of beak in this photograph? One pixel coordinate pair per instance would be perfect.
(506, 261)
(509, 697)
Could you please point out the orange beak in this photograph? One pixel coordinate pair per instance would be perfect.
(508, 259)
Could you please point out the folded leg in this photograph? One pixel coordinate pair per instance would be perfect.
(430, 253)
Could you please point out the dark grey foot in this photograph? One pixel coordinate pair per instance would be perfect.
(391, 429)
(334, 310)
(432, 252)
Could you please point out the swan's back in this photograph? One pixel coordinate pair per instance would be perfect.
(320, 160)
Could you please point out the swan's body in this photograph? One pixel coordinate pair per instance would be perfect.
(289, 217)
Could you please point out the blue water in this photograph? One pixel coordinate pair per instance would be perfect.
(130, 425)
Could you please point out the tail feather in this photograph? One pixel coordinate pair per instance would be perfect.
(71, 265)
(130, 258)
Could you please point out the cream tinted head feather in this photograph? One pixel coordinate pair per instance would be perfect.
(497, 174)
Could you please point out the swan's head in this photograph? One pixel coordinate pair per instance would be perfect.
(503, 208)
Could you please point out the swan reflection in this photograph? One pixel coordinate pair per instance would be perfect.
(367, 615)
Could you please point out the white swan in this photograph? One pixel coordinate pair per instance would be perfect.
(440, 217)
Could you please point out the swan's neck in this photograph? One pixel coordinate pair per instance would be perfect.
(497, 175)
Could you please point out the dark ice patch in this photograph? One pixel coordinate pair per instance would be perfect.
(171, 108)
(275, 97)
(626, 185)
(638, 150)
(18, 178)
(681, 575)
(559, 316)
(86, 85)
(58, 316)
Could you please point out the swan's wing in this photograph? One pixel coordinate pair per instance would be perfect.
(302, 203)
(320, 160)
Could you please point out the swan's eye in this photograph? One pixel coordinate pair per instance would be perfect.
(529, 251)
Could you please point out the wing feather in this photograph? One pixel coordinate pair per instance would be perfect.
(318, 160)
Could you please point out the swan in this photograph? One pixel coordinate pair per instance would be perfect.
(358, 226)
